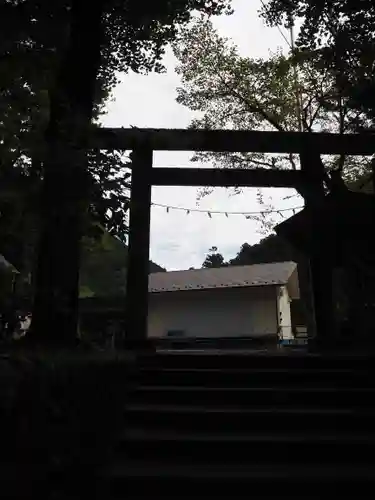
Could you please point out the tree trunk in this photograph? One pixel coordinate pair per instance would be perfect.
(65, 183)
(320, 269)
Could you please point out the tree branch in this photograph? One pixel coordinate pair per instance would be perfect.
(256, 162)
(252, 108)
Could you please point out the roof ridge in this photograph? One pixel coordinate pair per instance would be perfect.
(263, 274)
(202, 269)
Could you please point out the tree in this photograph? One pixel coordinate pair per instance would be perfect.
(341, 33)
(282, 93)
(27, 65)
(20, 222)
(213, 259)
(273, 248)
(20, 191)
(118, 35)
(104, 268)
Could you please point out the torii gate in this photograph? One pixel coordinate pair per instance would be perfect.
(308, 181)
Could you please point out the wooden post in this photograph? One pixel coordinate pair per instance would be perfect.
(322, 288)
(66, 180)
(138, 248)
(306, 291)
(319, 269)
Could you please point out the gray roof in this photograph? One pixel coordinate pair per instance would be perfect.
(274, 273)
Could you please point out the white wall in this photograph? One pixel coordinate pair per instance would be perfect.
(214, 313)
(285, 319)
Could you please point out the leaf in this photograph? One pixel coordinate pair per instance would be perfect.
(229, 91)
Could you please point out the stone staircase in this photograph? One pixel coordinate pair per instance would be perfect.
(241, 426)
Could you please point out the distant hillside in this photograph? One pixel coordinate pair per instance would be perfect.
(103, 268)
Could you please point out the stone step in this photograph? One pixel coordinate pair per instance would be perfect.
(254, 446)
(324, 397)
(247, 376)
(234, 426)
(237, 470)
(237, 479)
(214, 418)
(224, 360)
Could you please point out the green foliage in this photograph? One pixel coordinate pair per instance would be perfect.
(102, 273)
(20, 177)
(273, 248)
(103, 267)
(213, 259)
(20, 217)
(34, 36)
(269, 249)
(136, 35)
(19, 222)
(229, 91)
(342, 33)
(109, 193)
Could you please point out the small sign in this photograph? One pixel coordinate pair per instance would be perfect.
(293, 342)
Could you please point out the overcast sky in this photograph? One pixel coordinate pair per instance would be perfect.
(178, 240)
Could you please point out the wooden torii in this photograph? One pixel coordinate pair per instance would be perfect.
(309, 181)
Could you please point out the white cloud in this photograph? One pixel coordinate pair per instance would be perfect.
(180, 241)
